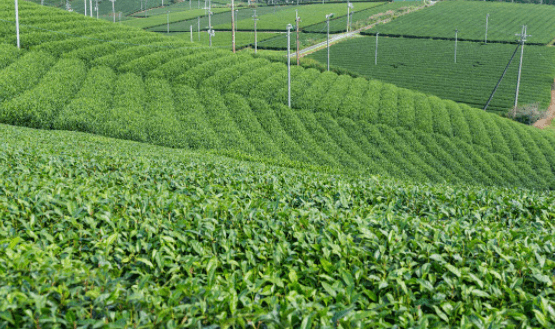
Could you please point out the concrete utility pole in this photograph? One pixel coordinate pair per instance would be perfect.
(289, 27)
(168, 22)
(232, 26)
(456, 37)
(487, 19)
(198, 29)
(190, 4)
(349, 6)
(191, 28)
(297, 21)
(114, 9)
(17, 24)
(328, 16)
(522, 36)
(210, 31)
(162, 3)
(376, 55)
(90, 8)
(85, 7)
(255, 18)
(96, 9)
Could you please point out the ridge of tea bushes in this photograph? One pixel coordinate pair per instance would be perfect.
(169, 92)
(111, 233)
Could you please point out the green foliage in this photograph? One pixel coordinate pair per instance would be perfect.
(124, 219)
(353, 102)
(440, 117)
(277, 21)
(478, 131)
(427, 65)
(222, 123)
(295, 128)
(459, 126)
(268, 120)
(23, 74)
(323, 139)
(91, 104)
(162, 19)
(406, 110)
(505, 20)
(246, 121)
(8, 54)
(126, 119)
(331, 101)
(312, 96)
(197, 133)
(387, 110)
(222, 79)
(38, 107)
(371, 101)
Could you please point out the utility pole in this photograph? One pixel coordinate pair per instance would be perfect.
(96, 9)
(328, 16)
(17, 24)
(487, 19)
(162, 3)
(289, 27)
(90, 8)
(456, 37)
(501, 78)
(198, 29)
(191, 28)
(114, 9)
(349, 6)
(168, 22)
(210, 31)
(233, 26)
(376, 55)
(255, 18)
(522, 36)
(85, 7)
(297, 21)
(190, 4)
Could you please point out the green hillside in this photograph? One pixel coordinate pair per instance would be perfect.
(469, 17)
(162, 19)
(365, 205)
(310, 14)
(360, 16)
(114, 234)
(428, 66)
(169, 92)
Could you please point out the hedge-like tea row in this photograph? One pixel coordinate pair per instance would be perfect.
(167, 93)
(38, 107)
(107, 233)
(91, 104)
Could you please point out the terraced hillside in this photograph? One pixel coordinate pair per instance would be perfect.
(108, 233)
(469, 17)
(114, 234)
(428, 66)
(170, 93)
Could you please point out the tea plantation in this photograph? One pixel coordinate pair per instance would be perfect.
(441, 20)
(428, 66)
(150, 182)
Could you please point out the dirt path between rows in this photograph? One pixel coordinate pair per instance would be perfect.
(550, 114)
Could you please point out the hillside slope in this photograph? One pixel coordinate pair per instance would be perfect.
(114, 234)
(94, 76)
